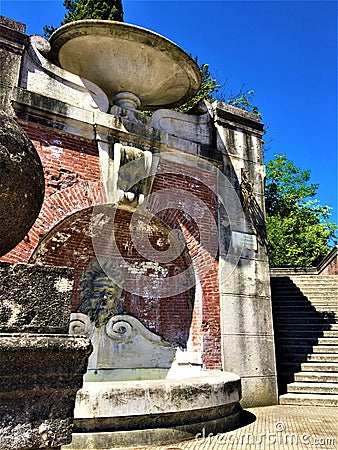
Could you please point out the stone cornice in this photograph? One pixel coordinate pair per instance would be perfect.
(237, 118)
(103, 127)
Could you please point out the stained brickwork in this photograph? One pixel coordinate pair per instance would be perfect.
(62, 236)
(70, 244)
(200, 184)
(72, 182)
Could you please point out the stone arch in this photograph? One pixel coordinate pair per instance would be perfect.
(55, 209)
(69, 243)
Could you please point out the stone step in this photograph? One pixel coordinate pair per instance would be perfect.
(328, 341)
(306, 326)
(325, 349)
(290, 329)
(323, 313)
(331, 333)
(333, 306)
(289, 307)
(307, 339)
(323, 357)
(312, 388)
(284, 351)
(283, 302)
(298, 341)
(319, 366)
(303, 319)
(316, 377)
(299, 312)
(311, 278)
(282, 333)
(314, 281)
(307, 349)
(318, 291)
(288, 367)
(301, 299)
(303, 276)
(315, 287)
(307, 275)
(332, 300)
(309, 357)
(309, 399)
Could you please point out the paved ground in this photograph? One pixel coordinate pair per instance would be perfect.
(274, 428)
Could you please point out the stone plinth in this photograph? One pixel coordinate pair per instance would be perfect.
(39, 373)
(39, 378)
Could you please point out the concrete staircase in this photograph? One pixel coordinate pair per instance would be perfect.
(305, 312)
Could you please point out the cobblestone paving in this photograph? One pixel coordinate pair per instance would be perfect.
(273, 428)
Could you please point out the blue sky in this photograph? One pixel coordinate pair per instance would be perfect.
(286, 51)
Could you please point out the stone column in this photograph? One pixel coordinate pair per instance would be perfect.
(244, 282)
(12, 45)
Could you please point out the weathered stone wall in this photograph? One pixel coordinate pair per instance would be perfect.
(247, 327)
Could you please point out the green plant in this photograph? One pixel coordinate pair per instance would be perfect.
(209, 87)
(243, 100)
(89, 9)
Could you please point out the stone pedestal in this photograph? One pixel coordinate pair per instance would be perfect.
(41, 367)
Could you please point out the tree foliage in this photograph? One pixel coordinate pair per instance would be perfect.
(298, 227)
(89, 9)
(244, 100)
(207, 91)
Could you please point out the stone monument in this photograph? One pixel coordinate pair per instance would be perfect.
(175, 200)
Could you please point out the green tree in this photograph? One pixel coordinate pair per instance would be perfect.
(89, 9)
(207, 91)
(244, 100)
(298, 227)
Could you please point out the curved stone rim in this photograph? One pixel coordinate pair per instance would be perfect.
(132, 33)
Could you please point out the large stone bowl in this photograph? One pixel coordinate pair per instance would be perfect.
(22, 184)
(135, 67)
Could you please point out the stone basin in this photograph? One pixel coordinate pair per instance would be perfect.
(135, 67)
(155, 412)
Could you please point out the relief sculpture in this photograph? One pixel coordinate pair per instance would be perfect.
(101, 296)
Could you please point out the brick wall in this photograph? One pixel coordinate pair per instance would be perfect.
(62, 236)
(72, 182)
(70, 244)
(197, 186)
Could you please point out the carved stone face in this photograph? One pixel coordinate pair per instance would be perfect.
(101, 297)
(106, 299)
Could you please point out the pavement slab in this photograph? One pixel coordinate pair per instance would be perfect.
(279, 427)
